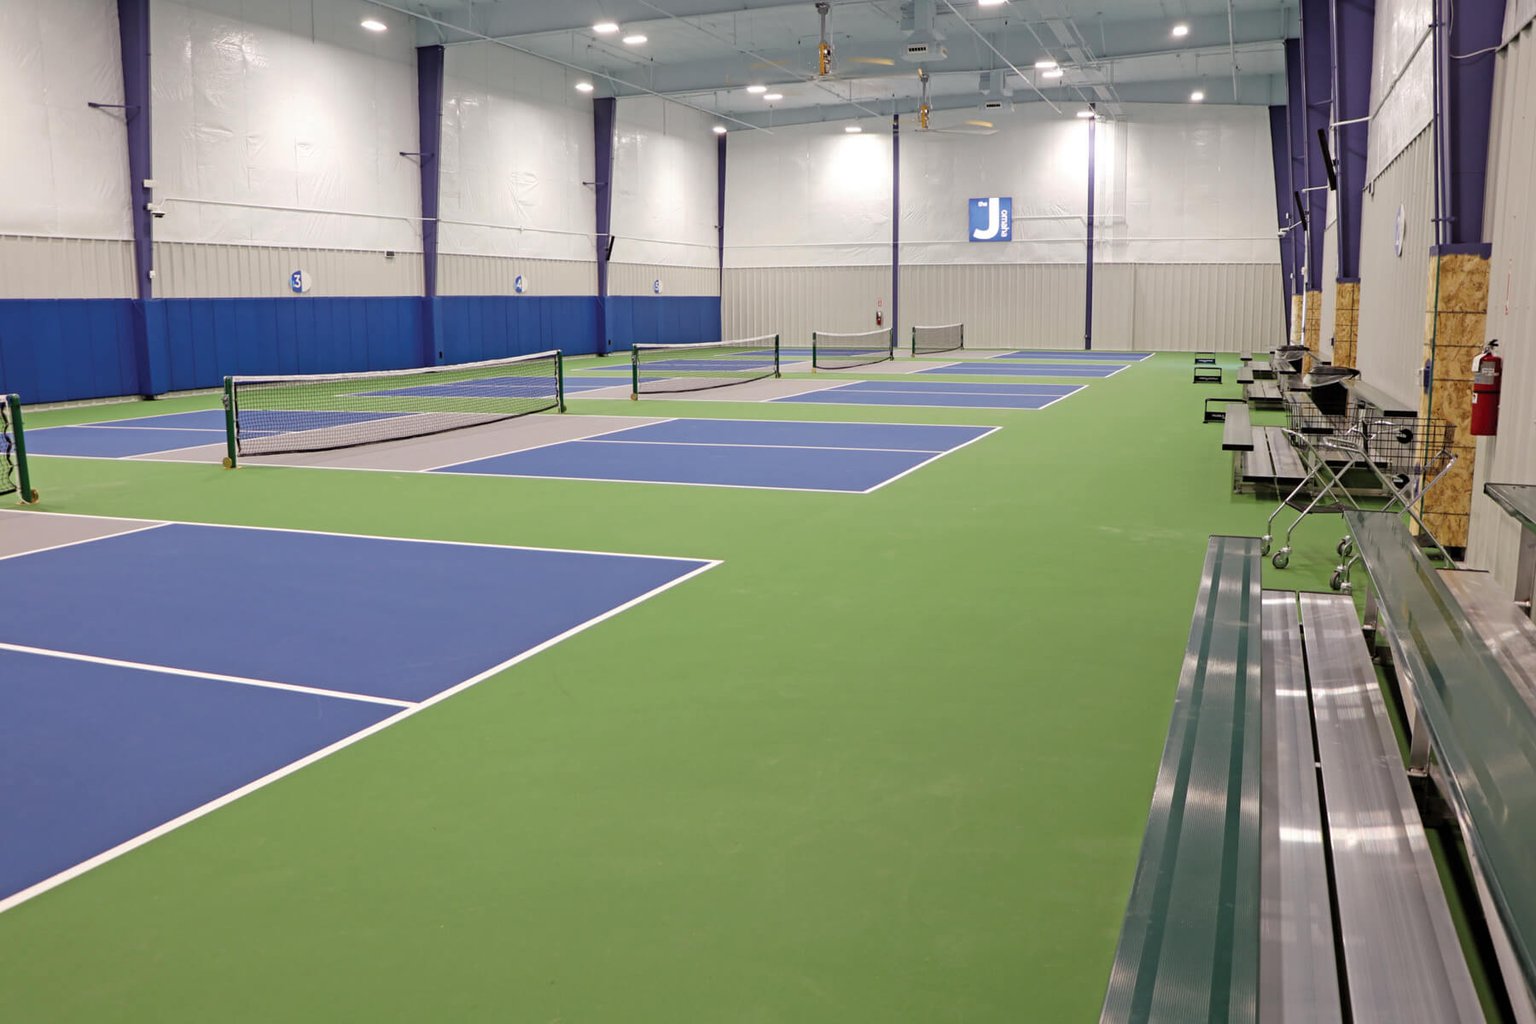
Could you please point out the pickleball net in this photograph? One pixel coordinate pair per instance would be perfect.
(947, 338)
(833, 351)
(666, 369)
(323, 412)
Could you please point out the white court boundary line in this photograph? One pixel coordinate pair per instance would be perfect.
(82, 540)
(217, 677)
(651, 421)
(1059, 376)
(927, 462)
(128, 845)
(920, 389)
(334, 533)
(923, 405)
(783, 447)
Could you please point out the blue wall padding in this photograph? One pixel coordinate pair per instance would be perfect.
(476, 327)
(662, 319)
(209, 339)
(55, 350)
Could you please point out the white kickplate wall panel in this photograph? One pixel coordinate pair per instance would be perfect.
(34, 267)
(280, 124)
(794, 301)
(517, 154)
(461, 274)
(186, 270)
(665, 165)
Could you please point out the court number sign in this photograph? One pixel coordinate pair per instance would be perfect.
(299, 281)
(992, 219)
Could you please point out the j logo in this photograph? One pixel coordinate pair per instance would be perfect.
(992, 219)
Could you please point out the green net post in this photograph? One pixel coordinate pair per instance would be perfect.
(634, 372)
(560, 380)
(813, 351)
(19, 440)
(776, 356)
(914, 343)
(230, 439)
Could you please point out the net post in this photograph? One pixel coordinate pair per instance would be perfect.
(914, 343)
(813, 352)
(776, 372)
(231, 440)
(634, 372)
(19, 439)
(560, 380)
(962, 335)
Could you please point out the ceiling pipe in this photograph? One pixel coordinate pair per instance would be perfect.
(1002, 57)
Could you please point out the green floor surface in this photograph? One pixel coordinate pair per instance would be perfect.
(890, 762)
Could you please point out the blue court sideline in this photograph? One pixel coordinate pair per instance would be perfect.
(939, 394)
(844, 457)
(119, 714)
(1000, 368)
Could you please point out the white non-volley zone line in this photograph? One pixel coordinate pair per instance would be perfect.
(935, 388)
(406, 712)
(213, 677)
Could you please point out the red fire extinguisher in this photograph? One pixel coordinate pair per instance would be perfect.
(879, 318)
(1487, 374)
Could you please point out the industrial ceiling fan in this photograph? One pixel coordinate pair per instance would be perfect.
(969, 126)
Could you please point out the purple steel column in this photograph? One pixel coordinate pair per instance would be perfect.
(1280, 149)
(1317, 100)
(1463, 111)
(895, 229)
(1354, 31)
(720, 210)
(603, 112)
(1088, 306)
(148, 347)
(429, 135)
(1296, 136)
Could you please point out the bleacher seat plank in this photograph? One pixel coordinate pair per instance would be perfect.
(1287, 461)
(1298, 974)
(1402, 958)
(1245, 375)
(1237, 429)
(1482, 731)
(1508, 633)
(1188, 949)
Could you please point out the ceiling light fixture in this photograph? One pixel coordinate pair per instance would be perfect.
(1085, 114)
(606, 28)
(1044, 65)
(1052, 73)
(990, 3)
(854, 129)
(583, 86)
(773, 97)
(1180, 30)
(1197, 97)
(374, 25)
(719, 129)
(757, 90)
(634, 40)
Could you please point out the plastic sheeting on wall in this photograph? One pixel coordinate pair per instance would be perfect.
(266, 112)
(517, 150)
(1175, 184)
(64, 167)
(1402, 80)
(664, 185)
(809, 195)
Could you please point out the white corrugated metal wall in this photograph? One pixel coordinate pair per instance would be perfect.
(1392, 287)
(640, 279)
(194, 270)
(467, 274)
(40, 267)
(1177, 307)
(794, 301)
(1511, 217)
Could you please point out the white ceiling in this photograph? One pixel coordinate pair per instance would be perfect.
(704, 52)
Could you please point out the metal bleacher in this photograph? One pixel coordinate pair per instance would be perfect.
(1286, 874)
